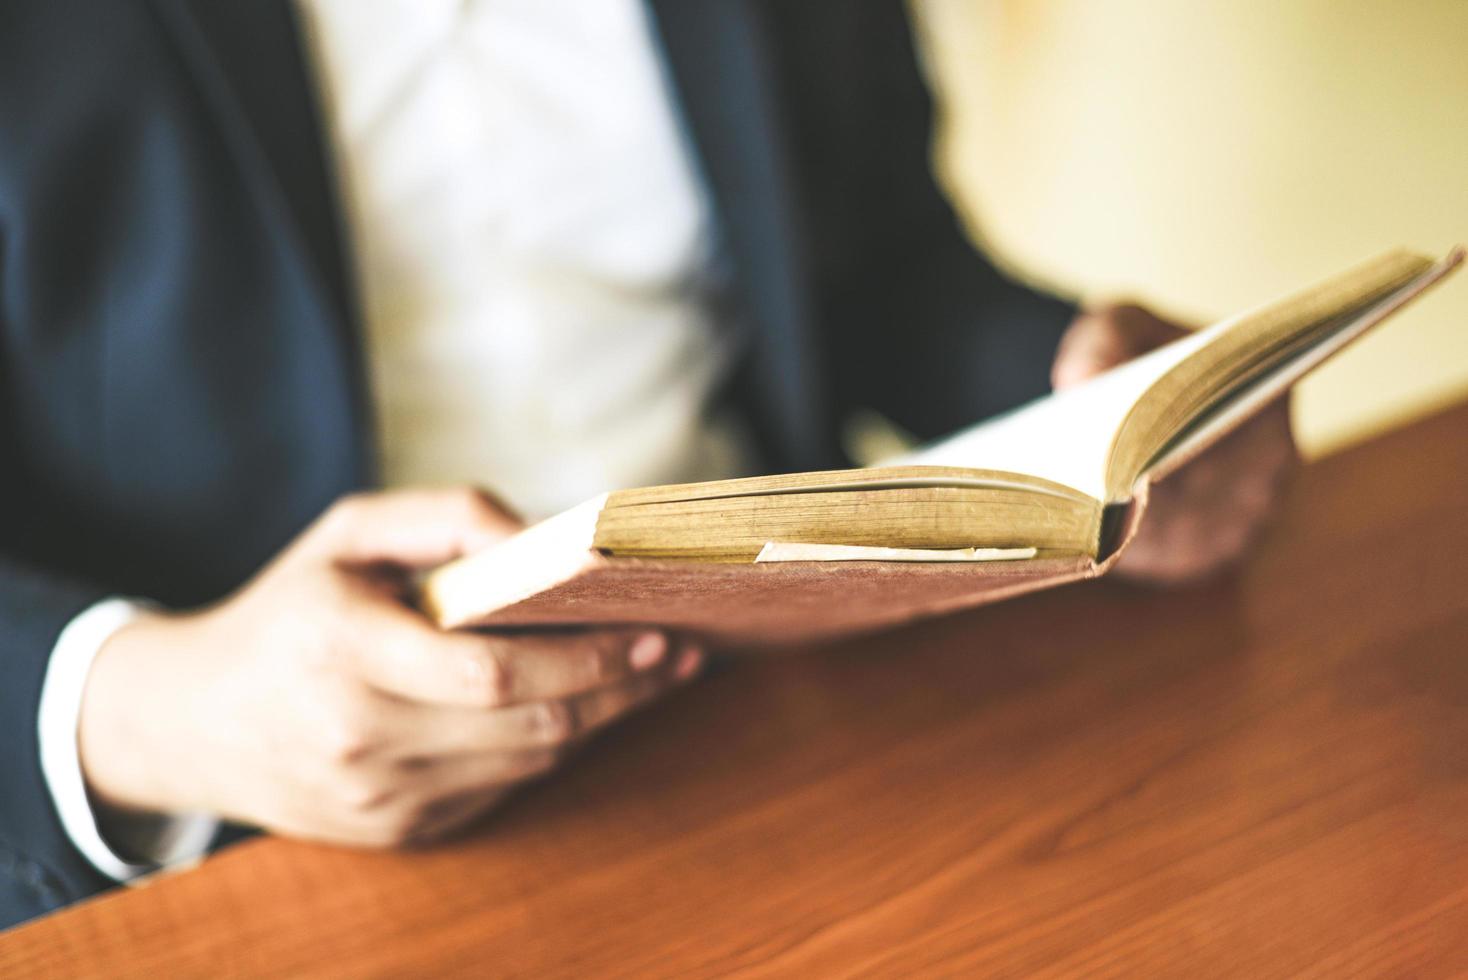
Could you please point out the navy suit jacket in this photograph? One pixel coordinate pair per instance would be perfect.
(180, 372)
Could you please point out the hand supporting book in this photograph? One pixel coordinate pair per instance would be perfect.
(1068, 477)
(316, 703)
(1203, 517)
(328, 708)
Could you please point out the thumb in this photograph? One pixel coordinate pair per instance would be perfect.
(1090, 346)
(1100, 339)
(412, 528)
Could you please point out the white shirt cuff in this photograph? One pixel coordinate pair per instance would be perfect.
(171, 840)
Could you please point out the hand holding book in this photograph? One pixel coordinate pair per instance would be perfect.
(315, 703)
(1053, 492)
(1205, 516)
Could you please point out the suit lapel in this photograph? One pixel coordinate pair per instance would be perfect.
(721, 62)
(247, 58)
(249, 63)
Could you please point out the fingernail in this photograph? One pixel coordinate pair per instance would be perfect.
(688, 663)
(647, 651)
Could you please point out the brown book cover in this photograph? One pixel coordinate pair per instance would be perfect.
(884, 546)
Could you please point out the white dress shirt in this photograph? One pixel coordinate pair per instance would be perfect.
(538, 265)
(535, 247)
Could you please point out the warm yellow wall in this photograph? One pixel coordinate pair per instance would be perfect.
(1207, 156)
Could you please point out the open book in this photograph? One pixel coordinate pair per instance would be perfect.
(1047, 494)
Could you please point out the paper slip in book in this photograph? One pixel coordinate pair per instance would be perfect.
(1047, 494)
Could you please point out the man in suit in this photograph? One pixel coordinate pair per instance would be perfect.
(261, 259)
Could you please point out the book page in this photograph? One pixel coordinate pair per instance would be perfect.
(778, 551)
(1075, 437)
(1247, 401)
(1065, 437)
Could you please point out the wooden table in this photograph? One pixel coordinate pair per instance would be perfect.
(1264, 776)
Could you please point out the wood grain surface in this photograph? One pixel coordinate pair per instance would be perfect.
(1266, 776)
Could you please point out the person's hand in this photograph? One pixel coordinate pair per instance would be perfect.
(315, 702)
(1205, 516)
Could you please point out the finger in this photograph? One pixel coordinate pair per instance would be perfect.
(448, 817)
(1248, 464)
(1089, 347)
(471, 785)
(412, 528)
(1101, 339)
(599, 708)
(408, 730)
(395, 650)
(313, 827)
(1272, 437)
(400, 652)
(401, 824)
(550, 666)
(1268, 436)
(453, 775)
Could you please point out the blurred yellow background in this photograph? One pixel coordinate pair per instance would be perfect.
(1208, 156)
